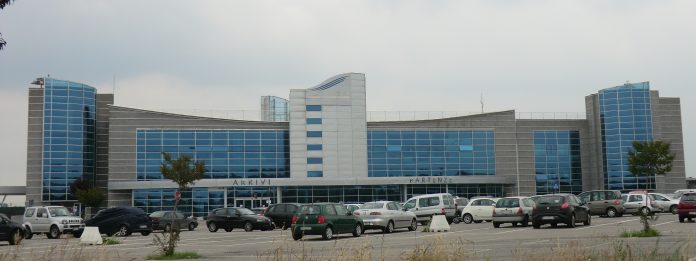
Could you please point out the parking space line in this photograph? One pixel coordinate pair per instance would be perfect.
(665, 223)
(509, 231)
(613, 223)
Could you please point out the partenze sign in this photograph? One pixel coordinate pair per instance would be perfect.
(430, 180)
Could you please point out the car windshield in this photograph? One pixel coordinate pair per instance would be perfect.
(372, 205)
(508, 203)
(157, 214)
(550, 200)
(310, 210)
(245, 211)
(689, 197)
(59, 212)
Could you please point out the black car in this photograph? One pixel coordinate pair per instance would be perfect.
(162, 220)
(231, 218)
(281, 214)
(560, 208)
(121, 221)
(11, 231)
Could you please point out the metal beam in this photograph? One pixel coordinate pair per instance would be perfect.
(13, 190)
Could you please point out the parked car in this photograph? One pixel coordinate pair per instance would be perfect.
(162, 220)
(387, 216)
(11, 231)
(259, 210)
(687, 206)
(560, 208)
(120, 221)
(636, 203)
(281, 214)
(513, 210)
(353, 207)
(426, 206)
(231, 218)
(603, 202)
(51, 220)
(665, 203)
(478, 210)
(325, 219)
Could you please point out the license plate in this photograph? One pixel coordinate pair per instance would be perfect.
(143, 226)
(305, 228)
(692, 213)
(547, 218)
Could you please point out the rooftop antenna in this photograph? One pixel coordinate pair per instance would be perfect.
(113, 85)
(481, 102)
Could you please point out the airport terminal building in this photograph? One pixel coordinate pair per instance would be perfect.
(318, 146)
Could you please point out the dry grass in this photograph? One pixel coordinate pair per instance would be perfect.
(68, 250)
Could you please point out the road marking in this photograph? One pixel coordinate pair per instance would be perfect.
(613, 223)
(510, 231)
(664, 223)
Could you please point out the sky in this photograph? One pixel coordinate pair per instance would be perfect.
(530, 56)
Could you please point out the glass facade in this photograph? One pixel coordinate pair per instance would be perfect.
(345, 194)
(461, 190)
(274, 108)
(227, 154)
(557, 161)
(430, 153)
(197, 201)
(68, 137)
(625, 116)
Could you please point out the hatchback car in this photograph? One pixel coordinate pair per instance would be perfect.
(231, 218)
(325, 219)
(603, 202)
(162, 220)
(637, 203)
(281, 214)
(120, 221)
(665, 202)
(11, 231)
(560, 208)
(478, 210)
(515, 210)
(687, 206)
(386, 216)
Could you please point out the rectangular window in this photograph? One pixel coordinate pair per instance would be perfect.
(313, 120)
(313, 108)
(314, 146)
(314, 160)
(314, 134)
(393, 148)
(315, 174)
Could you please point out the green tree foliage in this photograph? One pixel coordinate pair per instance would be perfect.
(3, 3)
(183, 173)
(92, 197)
(649, 159)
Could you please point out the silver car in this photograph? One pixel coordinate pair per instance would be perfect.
(665, 203)
(387, 216)
(513, 210)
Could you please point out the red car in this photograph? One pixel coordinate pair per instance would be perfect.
(687, 207)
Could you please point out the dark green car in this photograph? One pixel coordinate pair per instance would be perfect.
(325, 219)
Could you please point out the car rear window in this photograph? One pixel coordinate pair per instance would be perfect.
(689, 197)
(550, 200)
(373, 205)
(508, 203)
(157, 214)
(310, 210)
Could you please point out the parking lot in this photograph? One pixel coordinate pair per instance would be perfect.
(475, 241)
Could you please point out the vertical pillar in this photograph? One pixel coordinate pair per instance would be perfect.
(404, 195)
(279, 195)
(225, 197)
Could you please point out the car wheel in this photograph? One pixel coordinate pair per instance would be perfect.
(554, 224)
(229, 229)
(167, 227)
(212, 227)
(297, 235)
(328, 233)
(681, 220)
(145, 233)
(389, 228)
(248, 227)
(467, 218)
(358, 230)
(123, 231)
(478, 221)
(16, 237)
(285, 226)
(673, 210)
(571, 224)
(611, 212)
(456, 220)
(536, 225)
(54, 232)
(645, 211)
(588, 221)
(525, 221)
(29, 234)
(414, 225)
(191, 226)
(514, 224)
(497, 225)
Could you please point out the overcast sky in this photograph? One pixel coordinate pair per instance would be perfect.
(531, 56)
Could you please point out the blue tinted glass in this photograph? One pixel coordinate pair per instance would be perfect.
(313, 108)
(315, 174)
(314, 146)
(314, 160)
(313, 133)
(313, 120)
(553, 156)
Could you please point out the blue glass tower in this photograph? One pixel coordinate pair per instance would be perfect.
(557, 161)
(625, 117)
(69, 115)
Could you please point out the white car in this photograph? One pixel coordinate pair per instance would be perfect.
(665, 203)
(478, 210)
(426, 206)
(386, 216)
(636, 203)
(52, 220)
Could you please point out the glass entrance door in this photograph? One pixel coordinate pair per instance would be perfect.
(251, 202)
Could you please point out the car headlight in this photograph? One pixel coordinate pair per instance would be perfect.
(64, 222)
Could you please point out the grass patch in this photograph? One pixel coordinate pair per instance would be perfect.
(110, 241)
(176, 256)
(642, 233)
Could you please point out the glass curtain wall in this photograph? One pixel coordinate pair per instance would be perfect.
(626, 116)
(345, 194)
(461, 190)
(557, 162)
(68, 137)
(430, 153)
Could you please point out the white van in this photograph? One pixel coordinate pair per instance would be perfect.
(426, 206)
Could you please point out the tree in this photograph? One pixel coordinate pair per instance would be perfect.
(181, 172)
(3, 3)
(92, 197)
(649, 159)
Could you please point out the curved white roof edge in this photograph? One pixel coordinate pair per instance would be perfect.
(332, 81)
